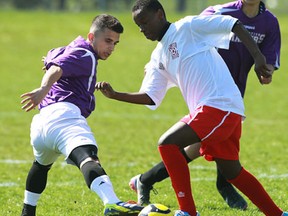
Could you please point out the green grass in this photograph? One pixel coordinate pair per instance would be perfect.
(126, 134)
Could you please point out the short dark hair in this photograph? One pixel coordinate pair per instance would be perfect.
(103, 21)
(149, 5)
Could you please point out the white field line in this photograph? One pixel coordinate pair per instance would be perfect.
(191, 167)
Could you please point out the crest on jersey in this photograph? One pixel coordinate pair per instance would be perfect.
(161, 66)
(173, 50)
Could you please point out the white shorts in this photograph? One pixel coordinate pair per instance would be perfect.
(58, 129)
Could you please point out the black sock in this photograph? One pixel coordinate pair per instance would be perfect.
(92, 170)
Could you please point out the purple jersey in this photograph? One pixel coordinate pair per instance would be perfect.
(78, 61)
(264, 28)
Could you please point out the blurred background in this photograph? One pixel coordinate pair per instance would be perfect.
(181, 6)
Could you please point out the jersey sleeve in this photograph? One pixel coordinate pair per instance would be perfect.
(270, 47)
(214, 30)
(208, 11)
(155, 85)
(73, 62)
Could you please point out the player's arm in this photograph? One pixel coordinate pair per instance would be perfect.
(261, 68)
(135, 98)
(33, 98)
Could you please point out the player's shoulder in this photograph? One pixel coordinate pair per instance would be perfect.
(226, 8)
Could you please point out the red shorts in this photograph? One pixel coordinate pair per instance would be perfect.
(219, 131)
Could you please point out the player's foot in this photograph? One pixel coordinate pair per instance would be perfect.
(122, 209)
(183, 213)
(28, 210)
(143, 191)
(233, 198)
(285, 214)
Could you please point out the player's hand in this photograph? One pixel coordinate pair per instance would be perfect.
(105, 88)
(263, 71)
(43, 60)
(32, 99)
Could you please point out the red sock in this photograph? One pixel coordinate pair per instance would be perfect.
(177, 168)
(253, 189)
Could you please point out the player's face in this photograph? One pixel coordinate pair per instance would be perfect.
(104, 43)
(150, 23)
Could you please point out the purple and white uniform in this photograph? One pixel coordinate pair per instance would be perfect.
(77, 84)
(61, 125)
(264, 28)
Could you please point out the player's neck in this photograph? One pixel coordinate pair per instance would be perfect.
(250, 10)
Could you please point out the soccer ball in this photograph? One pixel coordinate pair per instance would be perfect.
(155, 210)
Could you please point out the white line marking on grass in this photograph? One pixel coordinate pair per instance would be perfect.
(10, 161)
(206, 179)
(8, 184)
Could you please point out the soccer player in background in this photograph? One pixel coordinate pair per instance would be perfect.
(264, 28)
(66, 98)
(215, 103)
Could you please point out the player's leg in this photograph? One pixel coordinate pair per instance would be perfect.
(37, 176)
(226, 190)
(229, 193)
(35, 185)
(228, 162)
(86, 159)
(249, 185)
(178, 137)
(142, 184)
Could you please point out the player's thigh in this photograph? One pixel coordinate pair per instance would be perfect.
(180, 134)
(42, 153)
(192, 151)
(70, 134)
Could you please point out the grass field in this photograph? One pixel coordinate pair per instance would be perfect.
(126, 134)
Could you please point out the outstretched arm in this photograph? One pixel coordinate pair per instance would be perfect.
(262, 70)
(33, 98)
(136, 98)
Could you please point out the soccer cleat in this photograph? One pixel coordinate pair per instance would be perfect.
(285, 214)
(233, 198)
(183, 213)
(122, 209)
(143, 191)
(28, 210)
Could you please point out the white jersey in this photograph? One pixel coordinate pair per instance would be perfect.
(186, 57)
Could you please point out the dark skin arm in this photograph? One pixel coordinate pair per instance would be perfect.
(135, 98)
(263, 71)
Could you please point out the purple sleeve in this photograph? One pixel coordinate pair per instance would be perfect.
(208, 11)
(270, 47)
(72, 62)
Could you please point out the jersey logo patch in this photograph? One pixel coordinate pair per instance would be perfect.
(161, 66)
(173, 50)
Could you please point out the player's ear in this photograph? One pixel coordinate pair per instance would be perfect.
(160, 14)
(90, 37)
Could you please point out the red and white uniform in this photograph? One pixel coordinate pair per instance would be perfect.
(186, 57)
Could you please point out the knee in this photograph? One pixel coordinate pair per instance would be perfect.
(41, 167)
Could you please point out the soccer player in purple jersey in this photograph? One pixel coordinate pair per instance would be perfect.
(264, 28)
(66, 98)
(215, 104)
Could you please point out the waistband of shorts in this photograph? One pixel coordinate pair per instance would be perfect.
(60, 106)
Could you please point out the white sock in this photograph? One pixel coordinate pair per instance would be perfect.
(103, 187)
(31, 198)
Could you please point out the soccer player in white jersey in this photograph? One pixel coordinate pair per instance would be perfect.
(263, 26)
(185, 57)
